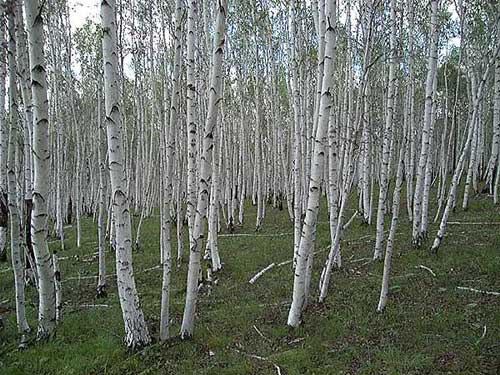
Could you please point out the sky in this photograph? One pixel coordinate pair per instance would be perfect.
(80, 10)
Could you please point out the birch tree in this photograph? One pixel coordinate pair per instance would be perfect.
(384, 167)
(3, 148)
(191, 115)
(136, 332)
(205, 170)
(317, 164)
(168, 167)
(426, 130)
(13, 179)
(41, 167)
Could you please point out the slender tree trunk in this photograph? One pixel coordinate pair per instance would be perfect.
(424, 151)
(136, 332)
(41, 168)
(410, 165)
(101, 246)
(204, 183)
(309, 230)
(496, 118)
(392, 233)
(13, 180)
(4, 212)
(424, 219)
(384, 173)
(168, 171)
(192, 115)
(297, 126)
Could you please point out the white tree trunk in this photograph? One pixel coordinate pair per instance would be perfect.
(318, 157)
(392, 233)
(101, 280)
(13, 181)
(136, 332)
(297, 126)
(384, 172)
(3, 151)
(204, 183)
(424, 151)
(168, 165)
(424, 215)
(191, 113)
(496, 119)
(57, 286)
(41, 168)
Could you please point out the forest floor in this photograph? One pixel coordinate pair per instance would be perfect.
(429, 326)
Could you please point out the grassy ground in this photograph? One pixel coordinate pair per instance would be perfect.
(429, 326)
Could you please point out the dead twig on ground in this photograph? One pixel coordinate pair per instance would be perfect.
(427, 269)
(479, 291)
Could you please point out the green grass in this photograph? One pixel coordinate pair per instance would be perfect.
(429, 327)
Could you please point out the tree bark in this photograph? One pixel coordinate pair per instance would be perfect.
(136, 332)
(41, 168)
(309, 229)
(205, 174)
(424, 151)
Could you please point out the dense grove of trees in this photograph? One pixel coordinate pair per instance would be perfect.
(190, 108)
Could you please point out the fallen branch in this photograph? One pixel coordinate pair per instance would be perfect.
(272, 265)
(79, 278)
(479, 291)
(427, 269)
(84, 257)
(296, 341)
(150, 269)
(285, 263)
(474, 223)
(482, 336)
(349, 222)
(93, 306)
(359, 260)
(108, 276)
(254, 235)
(278, 369)
(260, 333)
(260, 273)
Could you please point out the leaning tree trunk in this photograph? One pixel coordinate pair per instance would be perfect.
(399, 182)
(41, 168)
(318, 159)
(384, 291)
(204, 182)
(136, 332)
(458, 169)
(494, 162)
